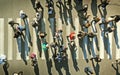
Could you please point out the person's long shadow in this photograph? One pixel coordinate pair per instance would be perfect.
(27, 31)
(67, 13)
(75, 63)
(94, 7)
(60, 6)
(24, 53)
(116, 36)
(73, 53)
(65, 10)
(116, 68)
(28, 40)
(78, 7)
(70, 16)
(5, 68)
(38, 41)
(33, 3)
(48, 61)
(96, 68)
(58, 66)
(66, 66)
(36, 70)
(52, 22)
(103, 12)
(53, 12)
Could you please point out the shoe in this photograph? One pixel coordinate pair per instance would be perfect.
(11, 23)
(91, 58)
(34, 24)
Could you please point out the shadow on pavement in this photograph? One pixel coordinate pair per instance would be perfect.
(27, 32)
(73, 53)
(33, 3)
(94, 7)
(67, 13)
(48, 62)
(116, 37)
(60, 6)
(36, 70)
(5, 68)
(96, 67)
(116, 68)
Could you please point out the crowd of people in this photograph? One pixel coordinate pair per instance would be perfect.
(58, 49)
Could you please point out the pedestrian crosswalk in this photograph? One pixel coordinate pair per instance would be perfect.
(15, 46)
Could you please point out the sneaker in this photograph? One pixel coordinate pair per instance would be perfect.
(91, 58)
(34, 24)
(11, 23)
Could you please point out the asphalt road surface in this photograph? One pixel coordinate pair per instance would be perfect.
(69, 21)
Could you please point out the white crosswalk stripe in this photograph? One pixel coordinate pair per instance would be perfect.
(101, 39)
(68, 33)
(10, 41)
(77, 26)
(117, 40)
(18, 47)
(2, 35)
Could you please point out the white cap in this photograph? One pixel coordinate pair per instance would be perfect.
(21, 12)
(2, 56)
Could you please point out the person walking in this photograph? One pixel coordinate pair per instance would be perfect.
(19, 73)
(81, 34)
(88, 70)
(104, 3)
(38, 6)
(22, 14)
